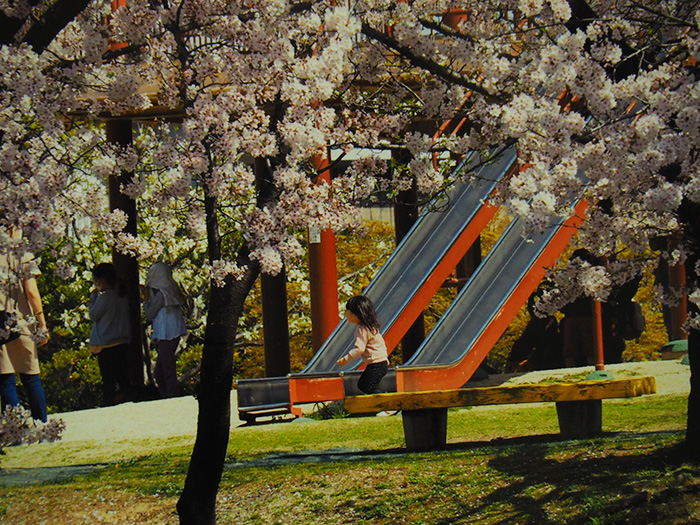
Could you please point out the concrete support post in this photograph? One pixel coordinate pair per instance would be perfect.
(580, 419)
(425, 429)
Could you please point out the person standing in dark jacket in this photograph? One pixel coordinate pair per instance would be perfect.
(110, 333)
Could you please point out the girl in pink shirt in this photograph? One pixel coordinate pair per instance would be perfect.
(369, 344)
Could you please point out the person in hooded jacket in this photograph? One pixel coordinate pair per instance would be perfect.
(163, 308)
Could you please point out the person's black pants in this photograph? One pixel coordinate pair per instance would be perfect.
(372, 375)
(113, 368)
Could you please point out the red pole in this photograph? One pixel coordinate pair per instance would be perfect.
(323, 273)
(116, 4)
(453, 17)
(679, 312)
(598, 331)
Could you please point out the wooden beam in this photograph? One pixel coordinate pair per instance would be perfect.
(535, 393)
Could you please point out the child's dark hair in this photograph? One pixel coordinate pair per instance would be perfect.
(108, 272)
(363, 308)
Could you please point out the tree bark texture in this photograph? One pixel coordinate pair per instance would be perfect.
(690, 216)
(197, 503)
(692, 434)
(44, 24)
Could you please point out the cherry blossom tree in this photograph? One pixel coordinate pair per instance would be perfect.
(240, 84)
(607, 88)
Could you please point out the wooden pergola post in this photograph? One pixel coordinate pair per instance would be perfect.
(273, 289)
(120, 132)
(405, 215)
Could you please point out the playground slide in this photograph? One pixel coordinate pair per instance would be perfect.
(485, 306)
(403, 277)
(401, 290)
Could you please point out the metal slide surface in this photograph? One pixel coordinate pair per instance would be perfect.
(487, 299)
(416, 257)
(398, 281)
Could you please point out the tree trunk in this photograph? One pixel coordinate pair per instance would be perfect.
(689, 213)
(197, 503)
(692, 435)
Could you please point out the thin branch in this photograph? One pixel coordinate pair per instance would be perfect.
(442, 72)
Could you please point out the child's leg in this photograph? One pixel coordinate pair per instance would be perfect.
(121, 372)
(371, 377)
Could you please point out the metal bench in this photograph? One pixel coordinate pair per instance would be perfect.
(579, 406)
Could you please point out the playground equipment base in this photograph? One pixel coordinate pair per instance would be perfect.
(579, 406)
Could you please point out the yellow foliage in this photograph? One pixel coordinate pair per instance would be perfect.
(360, 255)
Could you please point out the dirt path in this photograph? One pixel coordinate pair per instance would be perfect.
(672, 377)
(178, 417)
(112, 433)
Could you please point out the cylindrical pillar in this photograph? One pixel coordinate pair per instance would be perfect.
(598, 332)
(275, 325)
(405, 215)
(323, 273)
(120, 132)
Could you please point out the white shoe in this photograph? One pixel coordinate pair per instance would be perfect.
(384, 413)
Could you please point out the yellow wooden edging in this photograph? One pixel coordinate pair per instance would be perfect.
(498, 395)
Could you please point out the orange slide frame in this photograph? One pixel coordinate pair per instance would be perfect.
(456, 375)
(311, 389)
(327, 388)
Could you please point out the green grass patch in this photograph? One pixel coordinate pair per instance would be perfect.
(503, 464)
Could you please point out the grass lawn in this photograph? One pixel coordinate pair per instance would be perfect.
(502, 465)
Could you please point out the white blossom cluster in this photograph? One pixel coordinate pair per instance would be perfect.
(221, 88)
(17, 427)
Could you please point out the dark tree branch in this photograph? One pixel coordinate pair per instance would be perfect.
(442, 72)
(582, 15)
(43, 25)
(10, 26)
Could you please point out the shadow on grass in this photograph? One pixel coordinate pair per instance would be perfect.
(628, 478)
(337, 455)
(14, 477)
(616, 478)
